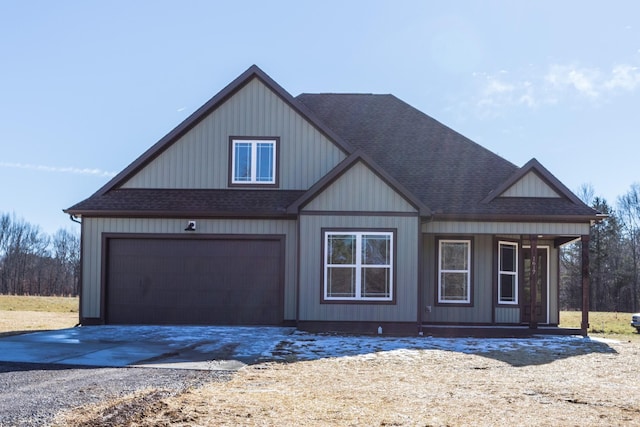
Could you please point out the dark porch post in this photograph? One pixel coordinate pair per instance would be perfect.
(533, 281)
(585, 283)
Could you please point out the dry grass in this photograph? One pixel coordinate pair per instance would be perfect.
(602, 324)
(19, 314)
(403, 388)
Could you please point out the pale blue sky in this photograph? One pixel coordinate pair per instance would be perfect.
(87, 86)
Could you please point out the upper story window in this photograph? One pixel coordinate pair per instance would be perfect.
(454, 271)
(358, 265)
(507, 273)
(253, 161)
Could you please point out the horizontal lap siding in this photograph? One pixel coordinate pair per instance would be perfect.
(93, 228)
(200, 159)
(311, 270)
(473, 227)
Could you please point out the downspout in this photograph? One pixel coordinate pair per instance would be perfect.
(74, 218)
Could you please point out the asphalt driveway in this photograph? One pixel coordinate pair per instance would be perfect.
(188, 347)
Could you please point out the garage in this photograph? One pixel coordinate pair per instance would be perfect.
(217, 281)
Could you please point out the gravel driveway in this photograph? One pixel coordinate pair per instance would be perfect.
(32, 394)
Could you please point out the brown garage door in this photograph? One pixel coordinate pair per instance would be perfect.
(224, 281)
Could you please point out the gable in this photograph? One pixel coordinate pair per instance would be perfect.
(530, 185)
(359, 189)
(199, 159)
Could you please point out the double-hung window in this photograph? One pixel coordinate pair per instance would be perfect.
(507, 273)
(253, 161)
(454, 271)
(358, 265)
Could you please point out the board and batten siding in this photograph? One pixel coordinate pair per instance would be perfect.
(93, 229)
(200, 158)
(360, 189)
(530, 185)
(354, 201)
(311, 270)
(482, 284)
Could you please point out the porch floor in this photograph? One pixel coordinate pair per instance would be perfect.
(497, 331)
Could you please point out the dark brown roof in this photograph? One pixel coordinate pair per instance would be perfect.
(192, 203)
(448, 172)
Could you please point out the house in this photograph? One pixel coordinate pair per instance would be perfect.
(341, 212)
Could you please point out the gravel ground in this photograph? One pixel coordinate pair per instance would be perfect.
(32, 394)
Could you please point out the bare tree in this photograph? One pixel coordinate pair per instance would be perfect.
(629, 208)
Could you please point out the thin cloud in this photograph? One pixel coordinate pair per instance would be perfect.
(57, 169)
(559, 83)
(625, 77)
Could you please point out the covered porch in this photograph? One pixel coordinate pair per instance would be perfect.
(506, 299)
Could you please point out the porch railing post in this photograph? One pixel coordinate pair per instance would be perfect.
(585, 283)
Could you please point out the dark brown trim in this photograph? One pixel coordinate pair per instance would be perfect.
(584, 325)
(358, 327)
(492, 331)
(359, 213)
(394, 286)
(211, 105)
(342, 168)
(420, 252)
(92, 321)
(107, 236)
(230, 182)
(536, 167)
(471, 272)
(298, 264)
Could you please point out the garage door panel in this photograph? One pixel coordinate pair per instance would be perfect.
(204, 281)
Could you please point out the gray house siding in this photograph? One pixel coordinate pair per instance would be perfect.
(200, 159)
(530, 185)
(482, 284)
(355, 201)
(484, 309)
(360, 189)
(311, 270)
(94, 228)
(515, 228)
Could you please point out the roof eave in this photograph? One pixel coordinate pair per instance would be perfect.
(178, 214)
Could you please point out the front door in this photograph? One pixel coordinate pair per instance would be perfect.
(542, 288)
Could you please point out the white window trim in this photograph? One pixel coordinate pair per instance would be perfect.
(254, 164)
(358, 264)
(442, 300)
(510, 273)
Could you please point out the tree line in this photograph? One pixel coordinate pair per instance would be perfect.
(614, 254)
(36, 263)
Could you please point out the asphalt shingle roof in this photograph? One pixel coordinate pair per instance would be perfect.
(448, 172)
(238, 203)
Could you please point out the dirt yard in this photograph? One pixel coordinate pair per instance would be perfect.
(594, 385)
